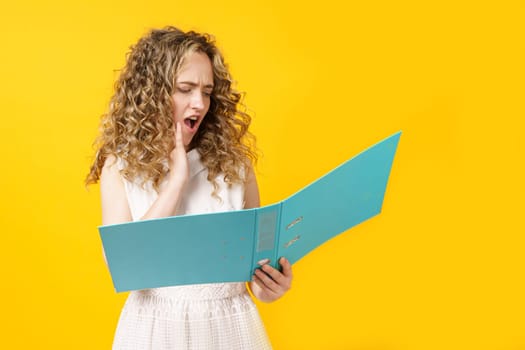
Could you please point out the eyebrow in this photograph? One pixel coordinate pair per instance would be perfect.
(209, 86)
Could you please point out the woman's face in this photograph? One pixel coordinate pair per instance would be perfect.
(191, 99)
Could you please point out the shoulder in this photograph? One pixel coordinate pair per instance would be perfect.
(113, 168)
(112, 163)
(110, 178)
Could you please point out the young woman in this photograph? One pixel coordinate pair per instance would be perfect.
(173, 142)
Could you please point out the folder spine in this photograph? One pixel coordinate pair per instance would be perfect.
(266, 235)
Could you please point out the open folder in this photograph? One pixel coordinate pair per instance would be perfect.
(229, 246)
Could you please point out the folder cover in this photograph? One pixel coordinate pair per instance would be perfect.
(229, 246)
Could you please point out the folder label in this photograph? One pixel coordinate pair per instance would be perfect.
(267, 228)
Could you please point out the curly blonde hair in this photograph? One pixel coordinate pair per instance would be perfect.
(138, 127)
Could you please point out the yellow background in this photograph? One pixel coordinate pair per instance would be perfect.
(441, 268)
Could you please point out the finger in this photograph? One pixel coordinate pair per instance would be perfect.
(287, 267)
(284, 280)
(264, 288)
(275, 274)
(268, 282)
(178, 137)
(258, 282)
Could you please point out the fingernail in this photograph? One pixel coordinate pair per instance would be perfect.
(263, 262)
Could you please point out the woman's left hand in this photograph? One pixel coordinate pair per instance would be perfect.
(272, 284)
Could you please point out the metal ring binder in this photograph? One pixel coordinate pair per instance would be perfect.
(295, 222)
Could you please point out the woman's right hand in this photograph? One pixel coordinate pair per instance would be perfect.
(178, 162)
(169, 196)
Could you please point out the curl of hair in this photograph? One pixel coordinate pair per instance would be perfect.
(138, 127)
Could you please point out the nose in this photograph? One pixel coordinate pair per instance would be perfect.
(197, 100)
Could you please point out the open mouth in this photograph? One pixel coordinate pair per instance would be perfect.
(190, 122)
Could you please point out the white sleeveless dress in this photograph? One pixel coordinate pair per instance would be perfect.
(194, 317)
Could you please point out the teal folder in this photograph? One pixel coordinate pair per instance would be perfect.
(229, 246)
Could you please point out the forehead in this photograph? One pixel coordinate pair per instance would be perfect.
(196, 68)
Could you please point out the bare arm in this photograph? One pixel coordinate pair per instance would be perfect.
(115, 208)
(271, 284)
